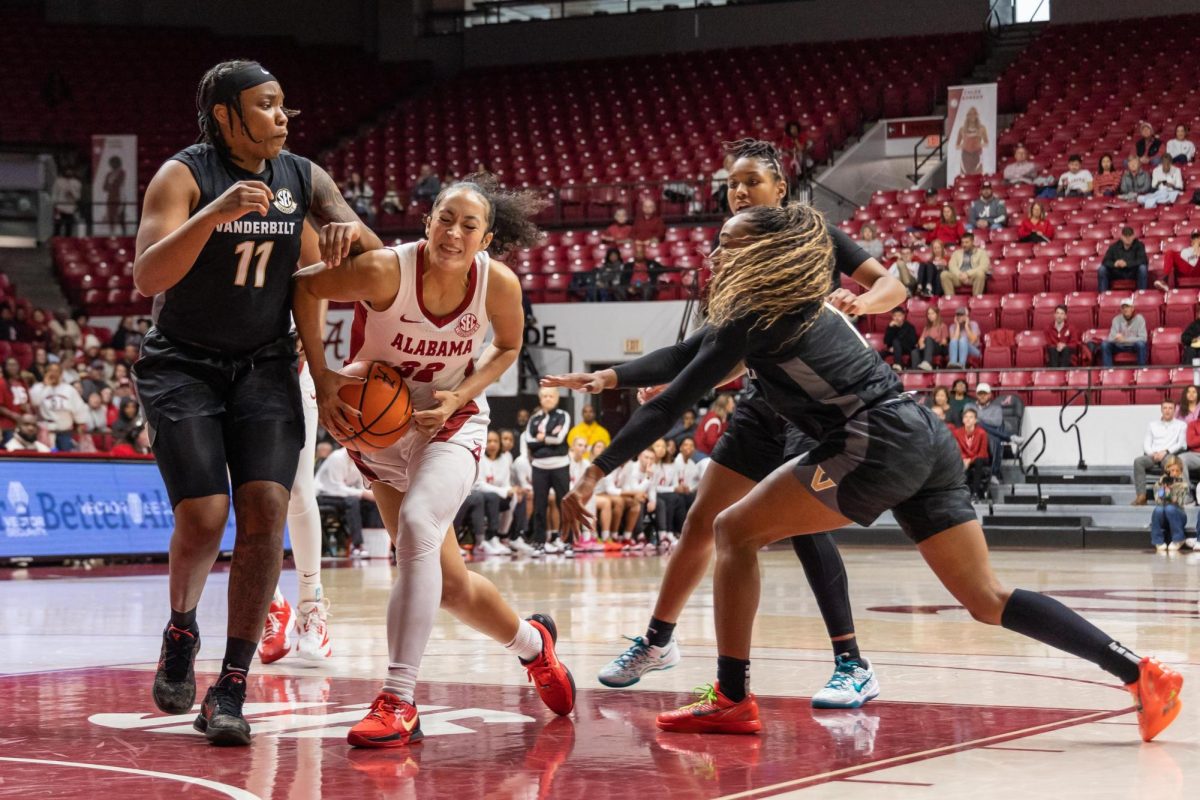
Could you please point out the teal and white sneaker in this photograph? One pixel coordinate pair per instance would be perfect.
(851, 685)
(641, 657)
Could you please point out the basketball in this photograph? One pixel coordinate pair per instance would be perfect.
(383, 402)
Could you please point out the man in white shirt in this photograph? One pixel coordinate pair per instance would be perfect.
(60, 408)
(65, 194)
(1076, 181)
(25, 437)
(905, 269)
(1164, 437)
(1181, 150)
(1166, 183)
(339, 483)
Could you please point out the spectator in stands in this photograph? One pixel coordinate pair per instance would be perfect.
(868, 240)
(94, 380)
(323, 451)
(959, 400)
(949, 228)
(641, 274)
(1147, 145)
(391, 203)
(63, 327)
(1188, 409)
(8, 325)
(906, 269)
(1125, 260)
(932, 341)
(1191, 342)
(968, 267)
(65, 194)
(1181, 150)
(1127, 334)
(796, 147)
(929, 277)
(684, 429)
(606, 284)
(964, 339)
(619, 231)
(37, 329)
(128, 418)
(939, 400)
(648, 226)
(1165, 436)
(990, 417)
(41, 360)
(339, 484)
(25, 437)
(713, 424)
(427, 185)
(1107, 180)
(1061, 341)
(1021, 169)
(973, 447)
(546, 443)
(588, 428)
(96, 415)
(14, 398)
(720, 198)
(59, 407)
(1076, 181)
(1171, 494)
(987, 211)
(125, 335)
(1183, 264)
(1035, 227)
(361, 197)
(493, 488)
(134, 443)
(1166, 184)
(1135, 181)
(900, 338)
(926, 218)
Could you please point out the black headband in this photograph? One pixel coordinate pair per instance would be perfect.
(234, 82)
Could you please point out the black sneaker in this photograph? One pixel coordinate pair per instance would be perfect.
(220, 718)
(175, 682)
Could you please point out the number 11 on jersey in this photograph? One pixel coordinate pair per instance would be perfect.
(247, 251)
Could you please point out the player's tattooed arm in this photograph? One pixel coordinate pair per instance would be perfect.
(342, 233)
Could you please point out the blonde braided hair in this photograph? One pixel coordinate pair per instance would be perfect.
(786, 268)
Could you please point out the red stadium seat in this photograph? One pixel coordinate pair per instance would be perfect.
(1063, 275)
(1031, 349)
(534, 285)
(1179, 308)
(1152, 385)
(916, 380)
(985, 310)
(1014, 311)
(556, 288)
(1114, 385)
(1031, 275)
(998, 349)
(1165, 347)
(1003, 278)
(1081, 310)
(1043, 394)
(1043, 310)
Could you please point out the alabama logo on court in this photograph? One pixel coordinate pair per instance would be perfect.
(284, 201)
(467, 325)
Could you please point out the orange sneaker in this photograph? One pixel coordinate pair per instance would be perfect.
(713, 712)
(1156, 695)
(276, 639)
(553, 680)
(391, 722)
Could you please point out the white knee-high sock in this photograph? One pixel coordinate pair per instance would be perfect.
(304, 529)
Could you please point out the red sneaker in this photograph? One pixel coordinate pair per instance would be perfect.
(553, 680)
(276, 639)
(713, 712)
(391, 722)
(1156, 695)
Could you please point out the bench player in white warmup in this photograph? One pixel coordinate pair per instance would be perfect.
(425, 308)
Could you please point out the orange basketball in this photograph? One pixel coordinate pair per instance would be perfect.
(383, 403)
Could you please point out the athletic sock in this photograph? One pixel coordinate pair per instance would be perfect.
(527, 644)
(847, 648)
(401, 681)
(659, 633)
(310, 587)
(184, 620)
(1050, 622)
(238, 655)
(733, 674)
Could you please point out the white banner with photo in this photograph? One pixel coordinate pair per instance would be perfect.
(970, 130)
(114, 185)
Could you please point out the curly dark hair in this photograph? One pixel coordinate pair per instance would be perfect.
(759, 149)
(207, 100)
(510, 213)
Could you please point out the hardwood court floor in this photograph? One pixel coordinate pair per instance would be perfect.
(965, 710)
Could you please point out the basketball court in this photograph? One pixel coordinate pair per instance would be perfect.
(965, 710)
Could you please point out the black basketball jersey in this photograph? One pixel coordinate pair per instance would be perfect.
(237, 296)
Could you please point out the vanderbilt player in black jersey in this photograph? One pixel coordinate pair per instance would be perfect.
(876, 450)
(223, 229)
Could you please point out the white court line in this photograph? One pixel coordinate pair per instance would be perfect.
(873, 766)
(225, 789)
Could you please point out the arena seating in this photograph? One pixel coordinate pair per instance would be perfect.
(149, 81)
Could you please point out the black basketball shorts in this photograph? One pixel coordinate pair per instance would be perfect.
(216, 418)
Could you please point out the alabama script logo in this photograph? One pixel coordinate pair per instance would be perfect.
(467, 325)
(315, 720)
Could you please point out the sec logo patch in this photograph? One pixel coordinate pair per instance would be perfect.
(467, 325)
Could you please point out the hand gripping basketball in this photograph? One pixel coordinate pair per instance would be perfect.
(335, 414)
(376, 410)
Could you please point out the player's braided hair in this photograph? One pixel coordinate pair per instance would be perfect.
(758, 149)
(784, 270)
(510, 213)
(208, 98)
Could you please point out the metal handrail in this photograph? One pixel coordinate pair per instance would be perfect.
(1086, 393)
(939, 152)
(1032, 469)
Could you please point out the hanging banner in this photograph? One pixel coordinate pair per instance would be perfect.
(114, 185)
(971, 130)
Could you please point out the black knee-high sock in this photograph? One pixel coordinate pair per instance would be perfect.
(733, 674)
(826, 575)
(184, 620)
(238, 655)
(658, 633)
(1050, 622)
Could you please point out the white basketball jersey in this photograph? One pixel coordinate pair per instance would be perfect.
(432, 353)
